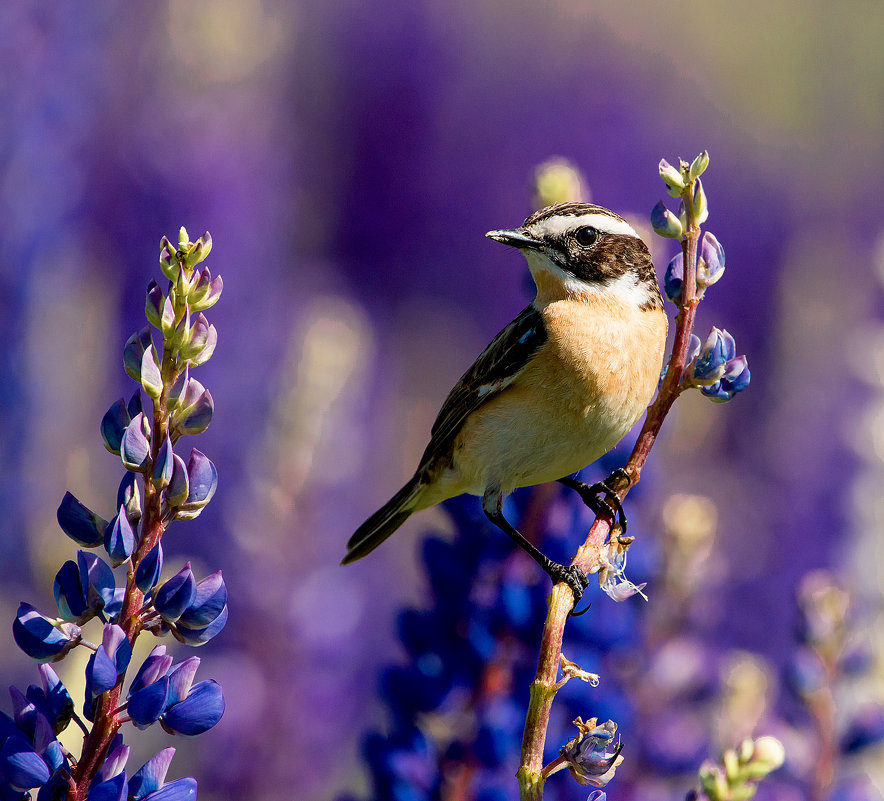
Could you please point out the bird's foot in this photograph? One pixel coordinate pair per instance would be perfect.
(572, 575)
(601, 496)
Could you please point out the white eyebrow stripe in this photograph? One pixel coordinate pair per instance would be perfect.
(601, 222)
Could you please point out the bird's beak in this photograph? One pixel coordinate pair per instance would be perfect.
(514, 237)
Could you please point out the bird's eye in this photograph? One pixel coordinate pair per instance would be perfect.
(586, 236)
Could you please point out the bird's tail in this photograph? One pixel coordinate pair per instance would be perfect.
(384, 521)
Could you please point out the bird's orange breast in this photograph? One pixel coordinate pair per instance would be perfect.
(578, 396)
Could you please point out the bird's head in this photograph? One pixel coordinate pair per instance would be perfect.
(581, 249)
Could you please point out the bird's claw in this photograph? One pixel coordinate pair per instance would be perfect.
(573, 576)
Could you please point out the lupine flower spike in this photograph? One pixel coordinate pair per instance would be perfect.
(159, 486)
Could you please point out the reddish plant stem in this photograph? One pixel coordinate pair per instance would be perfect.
(107, 707)
(543, 689)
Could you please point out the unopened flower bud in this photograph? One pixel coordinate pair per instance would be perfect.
(151, 376)
(711, 264)
(672, 177)
(699, 165)
(665, 223)
(153, 307)
(698, 202)
(133, 352)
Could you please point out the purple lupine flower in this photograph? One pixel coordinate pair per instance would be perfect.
(21, 767)
(109, 661)
(673, 279)
(115, 761)
(120, 538)
(135, 446)
(717, 349)
(115, 789)
(665, 223)
(85, 588)
(113, 424)
(176, 594)
(52, 699)
(133, 352)
(148, 783)
(198, 712)
(202, 482)
(147, 574)
(179, 484)
(129, 496)
(735, 379)
(39, 638)
(164, 465)
(80, 523)
(710, 267)
(587, 755)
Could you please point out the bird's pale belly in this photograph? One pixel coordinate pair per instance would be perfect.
(514, 445)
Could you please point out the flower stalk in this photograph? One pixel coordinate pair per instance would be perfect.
(158, 487)
(684, 183)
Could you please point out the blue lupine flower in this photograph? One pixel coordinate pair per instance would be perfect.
(176, 594)
(133, 352)
(52, 699)
(129, 496)
(710, 266)
(589, 760)
(84, 589)
(207, 613)
(151, 376)
(148, 782)
(198, 712)
(154, 303)
(135, 447)
(109, 661)
(181, 706)
(179, 484)
(120, 538)
(673, 279)
(21, 767)
(735, 379)
(200, 636)
(147, 574)
(115, 789)
(195, 409)
(665, 223)
(717, 349)
(80, 523)
(115, 761)
(202, 480)
(113, 425)
(148, 703)
(164, 465)
(36, 635)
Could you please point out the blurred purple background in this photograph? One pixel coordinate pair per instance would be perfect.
(347, 158)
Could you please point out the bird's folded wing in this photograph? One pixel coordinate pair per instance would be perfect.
(495, 369)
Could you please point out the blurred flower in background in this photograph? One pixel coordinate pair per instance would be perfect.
(348, 158)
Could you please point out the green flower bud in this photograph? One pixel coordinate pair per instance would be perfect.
(698, 202)
(672, 177)
(699, 165)
(769, 751)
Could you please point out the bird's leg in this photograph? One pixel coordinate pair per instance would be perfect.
(591, 494)
(492, 505)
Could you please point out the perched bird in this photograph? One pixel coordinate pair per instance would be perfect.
(555, 389)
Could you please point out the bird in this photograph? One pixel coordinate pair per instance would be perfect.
(556, 389)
